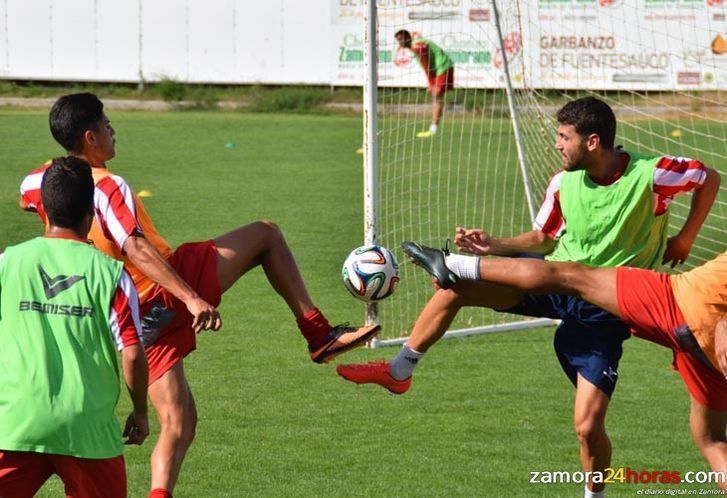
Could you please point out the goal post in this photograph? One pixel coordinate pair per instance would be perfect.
(370, 109)
(661, 65)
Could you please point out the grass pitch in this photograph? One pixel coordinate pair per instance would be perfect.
(482, 414)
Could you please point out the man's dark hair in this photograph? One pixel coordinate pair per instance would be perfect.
(71, 116)
(67, 191)
(590, 115)
(403, 34)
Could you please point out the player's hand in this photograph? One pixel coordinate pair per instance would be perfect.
(677, 250)
(136, 429)
(720, 345)
(473, 241)
(206, 316)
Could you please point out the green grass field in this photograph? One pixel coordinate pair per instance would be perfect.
(483, 412)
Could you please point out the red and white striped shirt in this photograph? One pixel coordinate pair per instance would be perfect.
(115, 209)
(124, 321)
(672, 176)
(113, 204)
(120, 214)
(30, 190)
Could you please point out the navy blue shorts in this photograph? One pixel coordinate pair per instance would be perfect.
(588, 340)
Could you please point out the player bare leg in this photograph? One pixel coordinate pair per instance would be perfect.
(177, 415)
(263, 244)
(437, 110)
(708, 432)
(442, 308)
(595, 285)
(589, 419)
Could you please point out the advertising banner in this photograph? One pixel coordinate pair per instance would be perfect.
(588, 44)
(620, 44)
(463, 28)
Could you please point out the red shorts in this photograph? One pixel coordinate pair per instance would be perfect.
(196, 263)
(22, 473)
(646, 301)
(438, 85)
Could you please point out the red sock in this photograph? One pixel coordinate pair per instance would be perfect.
(314, 327)
(159, 493)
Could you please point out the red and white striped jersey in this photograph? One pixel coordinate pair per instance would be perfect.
(30, 190)
(113, 203)
(672, 176)
(119, 215)
(124, 319)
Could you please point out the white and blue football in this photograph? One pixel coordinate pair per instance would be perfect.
(370, 273)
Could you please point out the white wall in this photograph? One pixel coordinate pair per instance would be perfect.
(216, 41)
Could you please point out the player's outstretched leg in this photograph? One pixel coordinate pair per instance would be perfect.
(263, 244)
(433, 322)
(595, 285)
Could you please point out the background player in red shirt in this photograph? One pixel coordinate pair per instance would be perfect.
(188, 281)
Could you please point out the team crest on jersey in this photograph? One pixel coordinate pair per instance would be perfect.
(52, 286)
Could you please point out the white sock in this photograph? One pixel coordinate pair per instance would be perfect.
(466, 267)
(594, 494)
(402, 366)
(433, 128)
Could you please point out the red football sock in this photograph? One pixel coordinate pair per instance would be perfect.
(159, 493)
(314, 326)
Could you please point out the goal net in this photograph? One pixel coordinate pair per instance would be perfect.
(661, 64)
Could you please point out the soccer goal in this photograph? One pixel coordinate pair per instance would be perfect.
(661, 64)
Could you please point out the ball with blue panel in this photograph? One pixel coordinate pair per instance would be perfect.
(370, 273)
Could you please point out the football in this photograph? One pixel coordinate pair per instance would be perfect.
(370, 273)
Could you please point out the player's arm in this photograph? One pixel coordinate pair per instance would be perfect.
(149, 261)
(422, 52)
(136, 376)
(115, 212)
(549, 225)
(125, 326)
(720, 344)
(678, 246)
(477, 241)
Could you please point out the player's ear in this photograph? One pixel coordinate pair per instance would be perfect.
(593, 141)
(89, 138)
